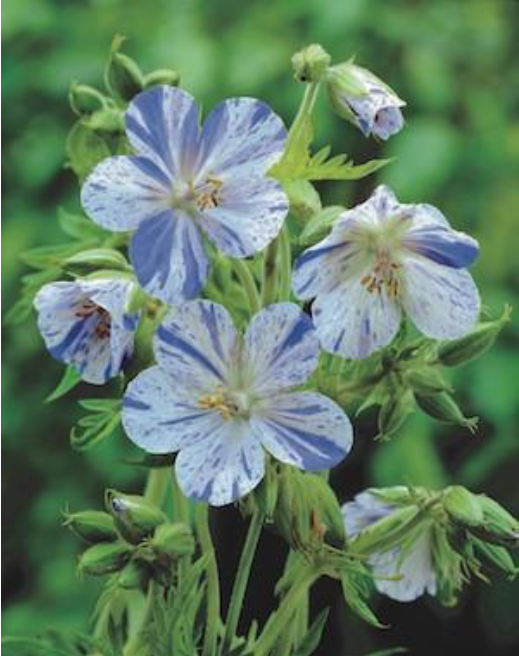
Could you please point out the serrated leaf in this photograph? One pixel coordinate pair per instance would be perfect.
(69, 380)
(354, 598)
(311, 640)
(338, 167)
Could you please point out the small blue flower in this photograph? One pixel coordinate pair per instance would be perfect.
(220, 399)
(383, 257)
(412, 569)
(185, 181)
(84, 324)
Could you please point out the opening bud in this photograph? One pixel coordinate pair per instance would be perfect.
(162, 76)
(135, 518)
(104, 559)
(311, 63)
(92, 525)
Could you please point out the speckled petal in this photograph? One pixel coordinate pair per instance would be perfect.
(222, 468)
(364, 510)
(304, 429)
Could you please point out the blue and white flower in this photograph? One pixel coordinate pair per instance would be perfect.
(84, 324)
(222, 399)
(402, 573)
(363, 99)
(185, 182)
(383, 258)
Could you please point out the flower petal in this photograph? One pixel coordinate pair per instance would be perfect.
(281, 349)
(364, 510)
(169, 258)
(196, 343)
(162, 124)
(352, 322)
(442, 302)
(123, 191)
(161, 418)
(250, 216)
(241, 134)
(414, 567)
(304, 429)
(222, 468)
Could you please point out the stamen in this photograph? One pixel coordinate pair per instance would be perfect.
(218, 402)
(103, 327)
(208, 195)
(384, 274)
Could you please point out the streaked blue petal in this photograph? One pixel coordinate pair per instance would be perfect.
(442, 245)
(249, 217)
(281, 349)
(442, 302)
(162, 124)
(121, 192)
(238, 133)
(196, 344)
(304, 429)
(222, 468)
(169, 258)
(160, 416)
(352, 322)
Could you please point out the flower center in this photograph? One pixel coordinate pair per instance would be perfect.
(208, 195)
(384, 273)
(228, 404)
(104, 321)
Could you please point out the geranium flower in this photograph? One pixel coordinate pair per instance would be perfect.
(185, 182)
(220, 399)
(84, 324)
(380, 259)
(363, 99)
(411, 567)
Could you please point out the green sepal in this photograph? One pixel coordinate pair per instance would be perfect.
(70, 379)
(496, 556)
(135, 517)
(443, 407)
(104, 558)
(92, 525)
(85, 100)
(462, 506)
(386, 532)
(173, 540)
(162, 76)
(498, 526)
(311, 63)
(103, 419)
(320, 225)
(303, 197)
(396, 408)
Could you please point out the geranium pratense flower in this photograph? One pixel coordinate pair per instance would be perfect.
(184, 181)
(411, 567)
(84, 323)
(382, 257)
(220, 399)
(360, 97)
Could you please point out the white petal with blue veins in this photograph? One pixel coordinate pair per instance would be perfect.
(364, 510)
(222, 468)
(304, 429)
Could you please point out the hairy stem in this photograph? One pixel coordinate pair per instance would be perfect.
(285, 264)
(157, 485)
(242, 577)
(213, 584)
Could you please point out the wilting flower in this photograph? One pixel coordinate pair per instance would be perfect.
(84, 324)
(383, 257)
(405, 572)
(221, 399)
(185, 181)
(360, 97)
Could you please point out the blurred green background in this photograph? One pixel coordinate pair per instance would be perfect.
(456, 64)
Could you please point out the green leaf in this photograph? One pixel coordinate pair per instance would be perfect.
(45, 257)
(80, 227)
(93, 428)
(339, 167)
(70, 379)
(354, 590)
(312, 639)
(85, 149)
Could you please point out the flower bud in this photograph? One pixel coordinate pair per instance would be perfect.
(123, 76)
(108, 119)
(92, 525)
(426, 381)
(162, 76)
(361, 98)
(462, 506)
(395, 410)
(311, 63)
(85, 100)
(304, 199)
(460, 351)
(173, 540)
(442, 407)
(387, 532)
(496, 556)
(93, 259)
(132, 576)
(135, 518)
(498, 525)
(104, 558)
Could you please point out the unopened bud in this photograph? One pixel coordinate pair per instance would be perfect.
(123, 76)
(460, 351)
(442, 407)
(311, 63)
(325, 511)
(462, 506)
(93, 259)
(497, 557)
(135, 517)
(394, 412)
(104, 558)
(173, 540)
(498, 525)
(108, 119)
(85, 100)
(92, 525)
(427, 381)
(162, 76)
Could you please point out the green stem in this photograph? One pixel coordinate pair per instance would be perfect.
(247, 280)
(213, 584)
(157, 485)
(285, 265)
(304, 112)
(269, 284)
(180, 503)
(240, 582)
(281, 618)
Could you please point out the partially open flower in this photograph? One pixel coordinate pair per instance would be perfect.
(360, 97)
(84, 323)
